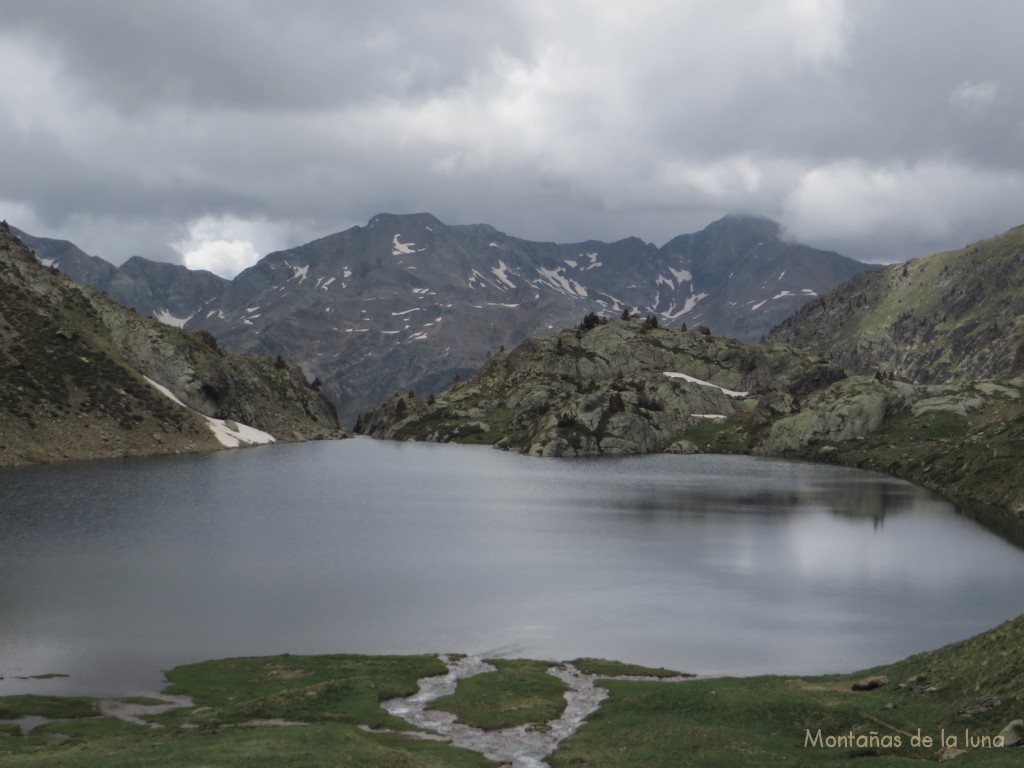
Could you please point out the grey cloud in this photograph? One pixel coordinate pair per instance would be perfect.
(299, 54)
(881, 129)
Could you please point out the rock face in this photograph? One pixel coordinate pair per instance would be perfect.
(409, 303)
(847, 410)
(949, 317)
(870, 683)
(72, 368)
(623, 386)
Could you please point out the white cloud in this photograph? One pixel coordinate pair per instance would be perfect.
(19, 214)
(974, 98)
(929, 203)
(820, 28)
(225, 246)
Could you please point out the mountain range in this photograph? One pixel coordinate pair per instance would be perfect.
(408, 303)
(83, 377)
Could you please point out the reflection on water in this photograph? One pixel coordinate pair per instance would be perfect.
(111, 571)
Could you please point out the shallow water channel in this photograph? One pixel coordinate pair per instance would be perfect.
(112, 571)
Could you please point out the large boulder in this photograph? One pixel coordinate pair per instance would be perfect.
(846, 410)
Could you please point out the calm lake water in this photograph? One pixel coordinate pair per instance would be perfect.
(112, 571)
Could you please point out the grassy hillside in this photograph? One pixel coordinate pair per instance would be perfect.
(955, 316)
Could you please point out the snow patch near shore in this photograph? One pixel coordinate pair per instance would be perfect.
(230, 434)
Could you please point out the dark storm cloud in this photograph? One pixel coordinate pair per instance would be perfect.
(264, 55)
(216, 132)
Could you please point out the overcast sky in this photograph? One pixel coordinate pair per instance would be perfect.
(211, 133)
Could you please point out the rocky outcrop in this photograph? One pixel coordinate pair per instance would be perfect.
(624, 386)
(73, 369)
(849, 409)
(1013, 734)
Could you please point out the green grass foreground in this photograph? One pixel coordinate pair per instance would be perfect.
(968, 691)
(521, 692)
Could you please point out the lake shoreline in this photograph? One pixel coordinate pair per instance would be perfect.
(919, 708)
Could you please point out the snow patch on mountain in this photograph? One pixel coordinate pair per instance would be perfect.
(691, 301)
(398, 248)
(167, 318)
(501, 272)
(682, 275)
(555, 279)
(230, 434)
(694, 380)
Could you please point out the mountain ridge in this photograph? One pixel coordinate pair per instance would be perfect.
(84, 377)
(952, 316)
(408, 303)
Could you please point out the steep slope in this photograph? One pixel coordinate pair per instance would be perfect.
(409, 303)
(72, 368)
(954, 316)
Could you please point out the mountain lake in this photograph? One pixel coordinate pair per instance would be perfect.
(112, 571)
